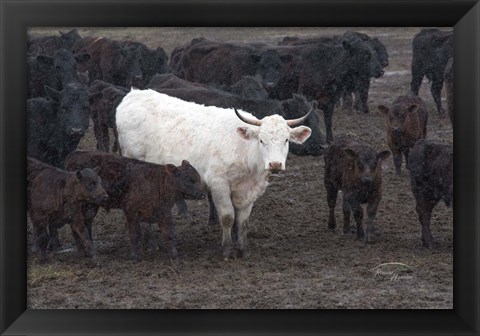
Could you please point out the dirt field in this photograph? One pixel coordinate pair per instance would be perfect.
(295, 261)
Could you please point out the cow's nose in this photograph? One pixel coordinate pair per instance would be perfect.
(367, 179)
(380, 73)
(76, 131)
(275, 167)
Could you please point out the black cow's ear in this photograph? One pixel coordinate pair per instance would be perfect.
(96, 169)
(185, 163)
(413, 108)
(172, 170)
(79, 174)
(383, 155)
(80, 58)
(45, 59)
(52, 93)
(350, 153)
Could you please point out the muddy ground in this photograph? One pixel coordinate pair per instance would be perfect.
(295, 261)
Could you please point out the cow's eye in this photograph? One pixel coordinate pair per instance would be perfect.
(286, 140)
(93, 184)
(261, 141)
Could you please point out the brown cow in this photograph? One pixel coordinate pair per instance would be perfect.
(449, 88)
(356, 169)
(431, 178)
(55, 197)
(145, 191)
(406, 123)
(103, 112)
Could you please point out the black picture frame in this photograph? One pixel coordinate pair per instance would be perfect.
(16, 16)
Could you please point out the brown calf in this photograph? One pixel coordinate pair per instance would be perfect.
(406, 123)
(431, 178)
(146, 192)
(55, 198)
(355, 168)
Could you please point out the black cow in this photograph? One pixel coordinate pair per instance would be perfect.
(111, 61)
(432, 49)
(48, 45)
(103, 108)
(56, 71)
(358, 83)
(56, 124)
(248, 87)
(151, 62)
(322, 71)
(431, 177)
(218, 63)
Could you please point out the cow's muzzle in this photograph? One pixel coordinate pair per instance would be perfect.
(76, 131)
(275, 167)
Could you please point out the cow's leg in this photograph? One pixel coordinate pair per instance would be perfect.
(371, 213)
(406, 151)
(168, 231)
(78, 226)
(116, 145)
(241, 221)
(135, 235)
(347, 100)
(226, 214)
(96, 130)
(346, 208)
(213, 215)
(358, 215)
(332, 193)
(397, 161)
(436, 90)
(105, 137)
(417, 76)
(40, 236)
(54, 243)
(424, 210)
(361, 95)
(182, 208)
(148, 238)
(328, 119)
(89, 212)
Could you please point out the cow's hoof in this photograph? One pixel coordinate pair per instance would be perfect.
(370, 239)
(174, 253)
(428, 244)
(244, 253)
(360, 234)
(136, 258)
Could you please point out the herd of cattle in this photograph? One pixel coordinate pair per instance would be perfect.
(217, 120)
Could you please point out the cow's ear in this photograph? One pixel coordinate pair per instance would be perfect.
(350, 153)
(80, 58)
(52, 93)
(348, 46)
(300, 134)
(254, 58)
(45, 59)
(286, 58)
(383, 155)
(172, 170)
(383, 109)
(93, 98)
(79, 174)
(185, 163)
(413, 108)
(246, 133)
(96, 169)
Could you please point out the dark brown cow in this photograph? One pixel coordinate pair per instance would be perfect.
(431, 177)
(356, 169)
(47, 45)
(406, 123)
(145, 191)
(103, 108)
(55, 197)
(449, 88)
(111, 61)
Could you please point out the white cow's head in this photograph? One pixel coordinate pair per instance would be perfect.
(272, 135)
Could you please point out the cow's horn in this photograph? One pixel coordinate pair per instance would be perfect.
(296, 122)
(251, 121)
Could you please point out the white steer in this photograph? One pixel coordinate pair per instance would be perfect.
(234, 152)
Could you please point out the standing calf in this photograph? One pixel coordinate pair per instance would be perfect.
(356, 169)
(55, 197)
(431, 177)
(146, 192)
(406, 123)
